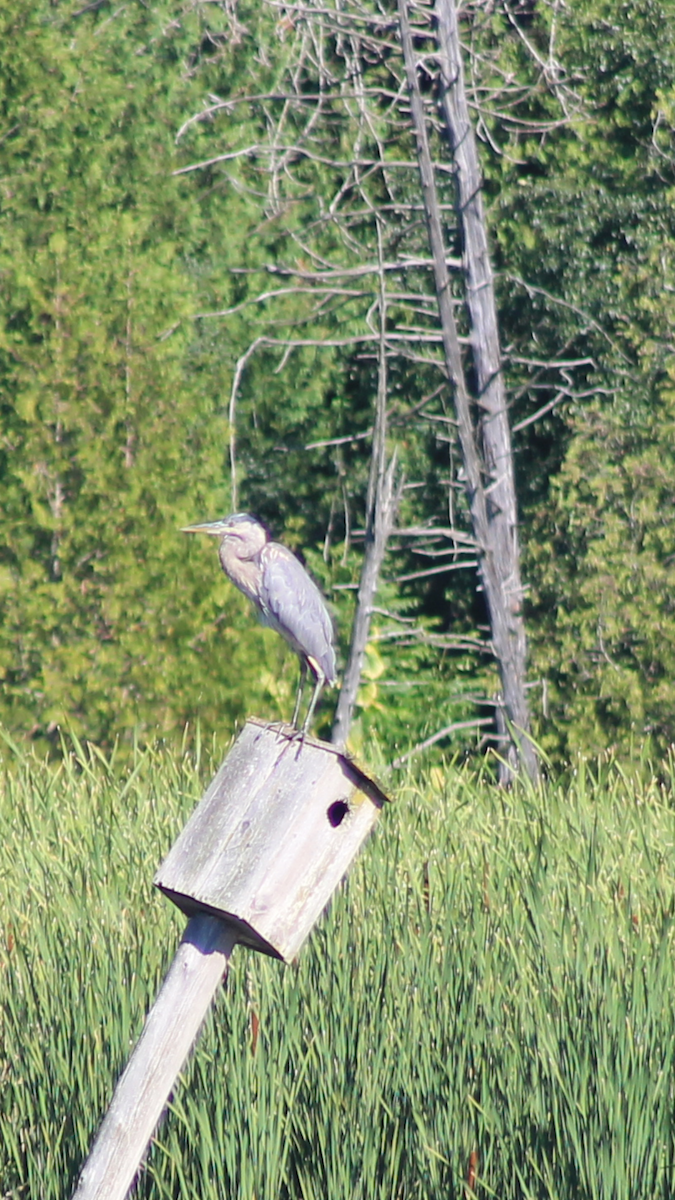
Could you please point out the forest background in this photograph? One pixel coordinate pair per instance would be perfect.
(149, 311)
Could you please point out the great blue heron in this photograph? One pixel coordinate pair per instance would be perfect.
(283, 593)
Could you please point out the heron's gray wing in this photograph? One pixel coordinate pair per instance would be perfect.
(293, 604)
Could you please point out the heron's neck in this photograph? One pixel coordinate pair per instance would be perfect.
(245, 573)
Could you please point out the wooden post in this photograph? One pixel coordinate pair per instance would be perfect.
(169, 1033)
(256, 863)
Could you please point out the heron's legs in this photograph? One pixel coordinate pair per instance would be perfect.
(301, 688)
(318, 688)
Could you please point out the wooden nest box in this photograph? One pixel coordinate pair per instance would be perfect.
(272, 837)
(256, 863)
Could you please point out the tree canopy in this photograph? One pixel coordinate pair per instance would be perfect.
(116, 383)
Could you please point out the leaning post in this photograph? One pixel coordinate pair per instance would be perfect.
(256, 864)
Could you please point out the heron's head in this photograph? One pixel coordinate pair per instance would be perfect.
(241, 530)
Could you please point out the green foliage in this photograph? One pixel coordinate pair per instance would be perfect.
(114, 398)
(114, 395)
(604, 633)
(495, 978)
(583, 213)
(113, 428)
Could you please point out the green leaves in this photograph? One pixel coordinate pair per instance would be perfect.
(605, 596)
(115, 397)
(113, 430)
(583, 215)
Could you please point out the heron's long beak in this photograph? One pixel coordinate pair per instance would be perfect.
(213, 527)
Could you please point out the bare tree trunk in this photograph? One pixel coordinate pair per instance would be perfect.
(381, 505)
(488, 466)
(378, 530)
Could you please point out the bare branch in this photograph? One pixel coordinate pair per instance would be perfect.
(447, 567)
(476, 723)
(261, 149)
(340, 441)
(405, 263)
(238, 372)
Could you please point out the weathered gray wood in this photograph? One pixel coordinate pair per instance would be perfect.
(382, 502)
(509, 634)
(171, 1027)
(257, 862)
(272, 838)
(379, 524)
(489, 475)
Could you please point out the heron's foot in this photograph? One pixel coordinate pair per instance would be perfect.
(281, 728)
(291, 735)
(295, 737)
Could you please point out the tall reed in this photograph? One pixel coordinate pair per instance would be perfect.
(488, 1007)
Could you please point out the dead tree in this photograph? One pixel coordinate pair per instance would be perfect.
(486, 443)
(364, 254)
(382, 501)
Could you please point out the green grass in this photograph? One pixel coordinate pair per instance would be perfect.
(496, 978)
